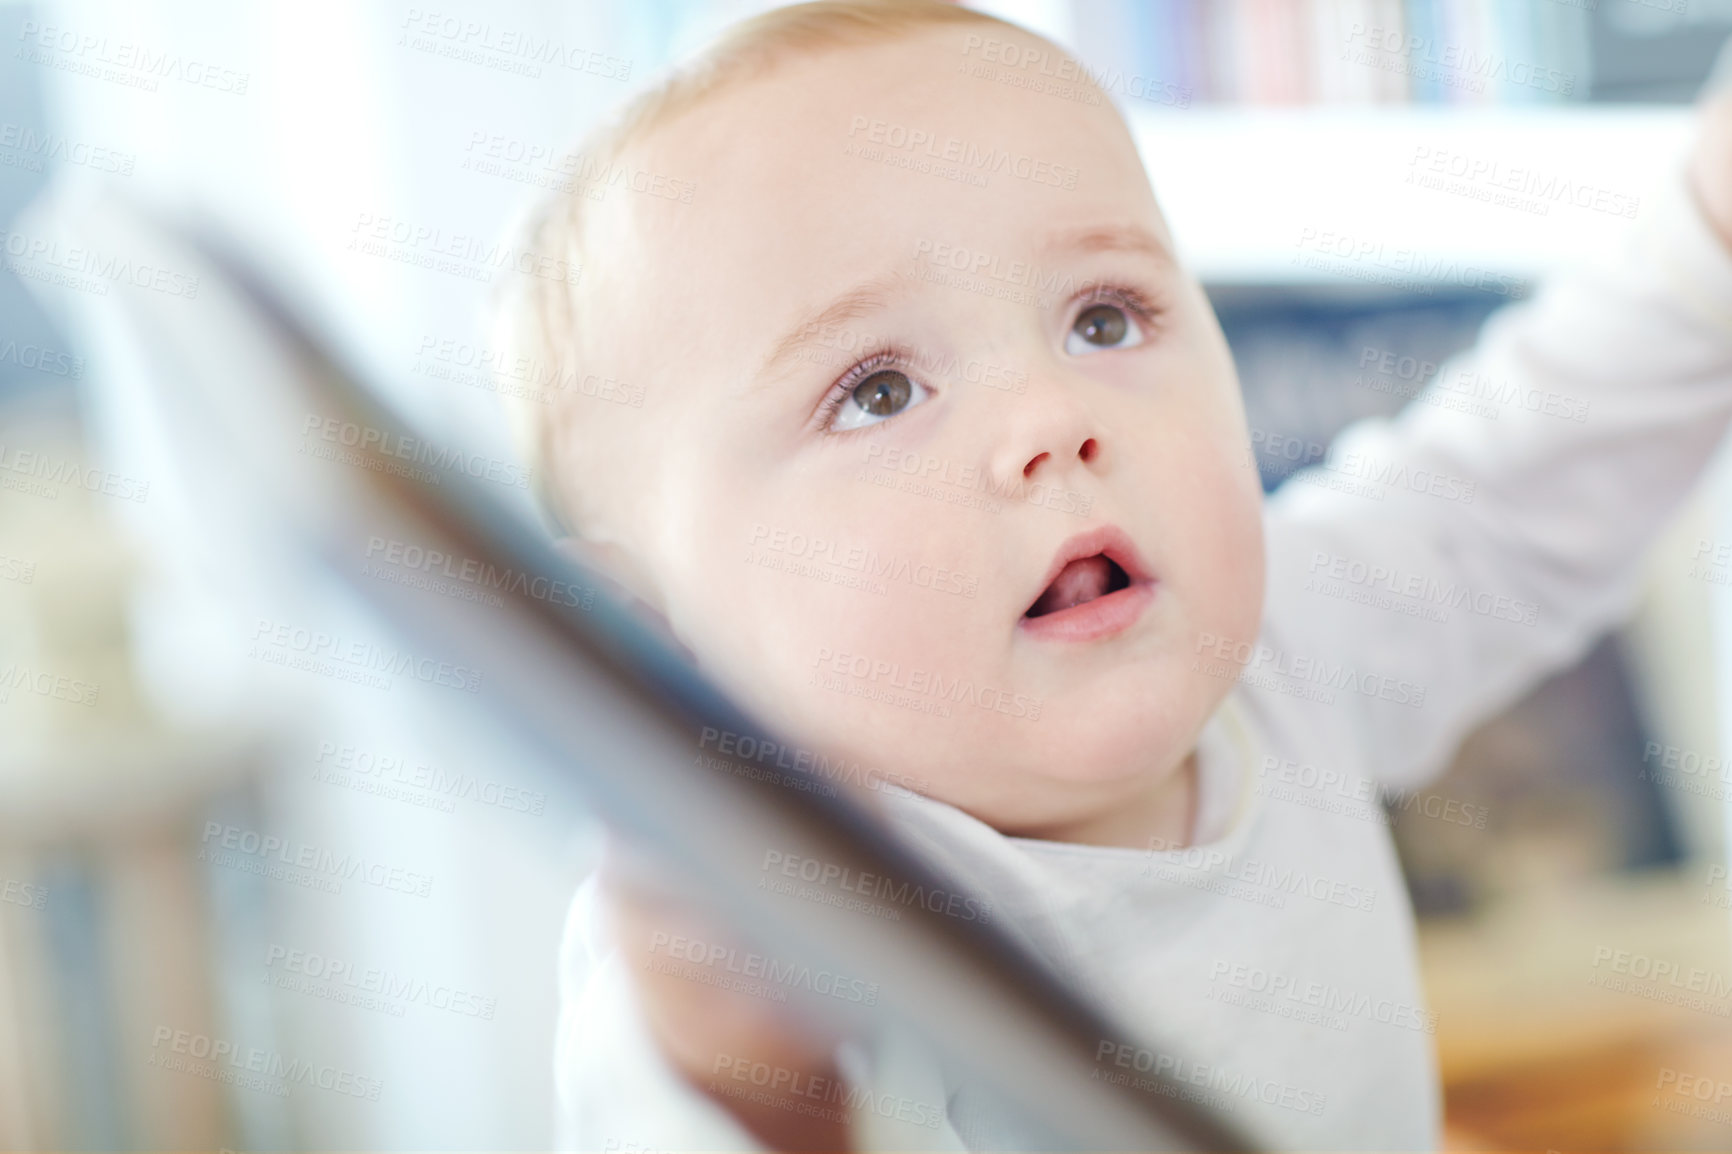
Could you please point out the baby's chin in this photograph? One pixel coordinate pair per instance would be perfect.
(1136, 753)
(1127, 722)
(1027, 781)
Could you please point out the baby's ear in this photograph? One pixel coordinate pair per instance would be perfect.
(626, 580)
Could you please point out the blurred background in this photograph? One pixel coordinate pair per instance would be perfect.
(162, 742)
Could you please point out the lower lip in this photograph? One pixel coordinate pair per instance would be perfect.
(1093, 620)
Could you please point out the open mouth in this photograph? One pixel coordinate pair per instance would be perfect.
(1080, 582)
(1098, 586)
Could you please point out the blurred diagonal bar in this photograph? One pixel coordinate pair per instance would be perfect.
(242, 370)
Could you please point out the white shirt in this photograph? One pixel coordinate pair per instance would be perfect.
(1428, 572)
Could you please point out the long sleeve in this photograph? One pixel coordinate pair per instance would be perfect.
(1436, 565)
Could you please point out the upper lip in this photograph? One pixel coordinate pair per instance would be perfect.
(1108, 541)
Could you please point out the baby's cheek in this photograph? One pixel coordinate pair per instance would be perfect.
(725, 598)
(1212, 542)
(1236, 558)
(782, 628)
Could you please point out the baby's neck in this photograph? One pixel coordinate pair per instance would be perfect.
(1164, 815)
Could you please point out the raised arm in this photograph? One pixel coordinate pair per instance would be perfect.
(1450, 558)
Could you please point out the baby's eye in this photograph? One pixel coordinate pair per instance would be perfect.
(1102, 326)
(879, 397)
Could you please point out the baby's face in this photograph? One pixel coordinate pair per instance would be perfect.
(940, 473)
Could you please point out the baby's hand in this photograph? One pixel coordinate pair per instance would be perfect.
(702, 1029)
(1711, 163)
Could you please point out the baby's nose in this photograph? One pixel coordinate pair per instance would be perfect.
(1085, 453)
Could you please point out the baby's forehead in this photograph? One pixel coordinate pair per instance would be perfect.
(911, 103)
(831, 168)
(866, 128)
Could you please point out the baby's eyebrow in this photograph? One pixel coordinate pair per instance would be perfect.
(865, 298)
(877, 293)
(1109, 238)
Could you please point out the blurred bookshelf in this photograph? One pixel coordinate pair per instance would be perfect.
(1450, 52)
(1440, 140)
(1270, 53)
(1358, 51)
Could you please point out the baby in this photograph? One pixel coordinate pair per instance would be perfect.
(941, 466)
